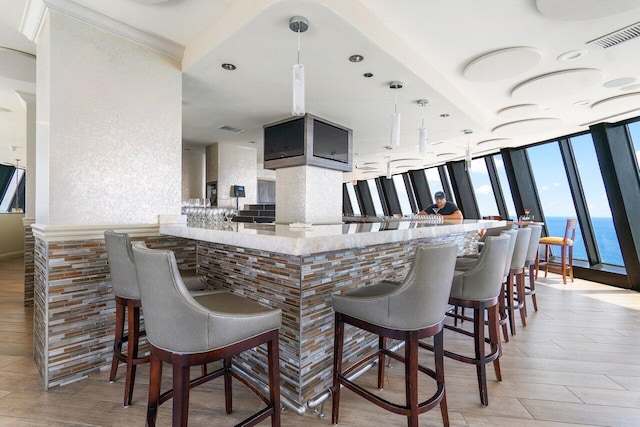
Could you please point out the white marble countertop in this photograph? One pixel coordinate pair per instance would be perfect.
(322, 238)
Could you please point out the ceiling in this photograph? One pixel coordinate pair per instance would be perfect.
(512, 71)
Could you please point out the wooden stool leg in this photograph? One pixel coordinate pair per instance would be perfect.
(411, 378)
(478, 333)
(180, 393)
(532, 286)
(511, 302)
(273, 350)
(494, 339)
(503, 311)
(132, 352)
(438, 350)
(155, 379)
(228, 390)
(521, 298)
(117, 341)
(338, 344)
(382, 343)
(547, 254)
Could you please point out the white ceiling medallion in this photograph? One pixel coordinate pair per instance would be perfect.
(500, 142)
(528, 126)
(501, 64)
(579, 10)
(17, 65)
(557, 84)
(520, 110)
(627, 101)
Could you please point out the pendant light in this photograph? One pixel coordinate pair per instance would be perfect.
(395, 118)
(422, 132)
(298, 24)
(467, 152)
(389, 167)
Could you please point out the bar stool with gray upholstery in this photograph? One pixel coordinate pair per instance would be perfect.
(478, 288)
(410, 311)
(124, 283)
(530, 263)
(187, 332)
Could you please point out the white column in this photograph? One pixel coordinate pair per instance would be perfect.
(108, 128)
(309, 195)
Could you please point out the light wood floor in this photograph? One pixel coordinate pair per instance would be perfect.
(576, 363)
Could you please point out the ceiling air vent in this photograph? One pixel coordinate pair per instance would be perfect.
(231, 129)
(617, 37)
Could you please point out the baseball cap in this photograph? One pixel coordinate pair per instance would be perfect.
(439, 195)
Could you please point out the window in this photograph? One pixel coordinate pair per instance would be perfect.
(403, 197)
(355, 207)
(553, 190)
(504, 183)
(375, 197)
(596, 199)
(482, 188)
(11, 188)
(634, 131)
(435, 184)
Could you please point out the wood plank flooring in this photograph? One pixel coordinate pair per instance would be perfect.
(576, 363)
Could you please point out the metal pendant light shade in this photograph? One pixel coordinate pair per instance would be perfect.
(395, 118)
(298, 24)
(389, 169)
(467, 151)
(422, 131)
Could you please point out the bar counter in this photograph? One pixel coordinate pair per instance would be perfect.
(299, 269)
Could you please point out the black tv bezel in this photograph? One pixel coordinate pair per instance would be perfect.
(307, 158)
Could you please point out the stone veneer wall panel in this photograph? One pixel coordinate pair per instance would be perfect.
(302, 287)
(74, 315)
(29, 259)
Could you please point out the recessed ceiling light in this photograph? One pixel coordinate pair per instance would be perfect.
(4, 110)
(368, 75)
(229, 67)
(622, 81)
(388, 147)
(444, 115)
(572, 54)
(356, 58)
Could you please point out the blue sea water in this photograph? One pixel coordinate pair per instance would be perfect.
(605, 237)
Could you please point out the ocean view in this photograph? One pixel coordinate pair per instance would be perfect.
(605, 237)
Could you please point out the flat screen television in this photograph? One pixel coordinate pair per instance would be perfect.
(307, 140)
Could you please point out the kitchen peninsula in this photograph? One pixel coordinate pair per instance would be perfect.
(298, 269)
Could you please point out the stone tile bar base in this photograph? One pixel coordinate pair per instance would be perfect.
(29, 254)
(302, 286)
(74, 309)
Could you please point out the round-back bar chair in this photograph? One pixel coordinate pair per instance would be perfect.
(566, 250)
(530, 264)
(478, 288)
(515, 281)
(124, 283)
(186, 332)
(409, 311)
(504, 319)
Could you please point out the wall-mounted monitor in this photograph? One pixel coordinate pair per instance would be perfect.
(307, 140)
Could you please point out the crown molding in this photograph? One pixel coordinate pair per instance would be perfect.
(36, 11)
(26, 98)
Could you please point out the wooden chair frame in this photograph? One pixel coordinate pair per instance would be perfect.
(412, 409)
(182, 362)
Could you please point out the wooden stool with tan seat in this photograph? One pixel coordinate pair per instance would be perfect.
(566, 248)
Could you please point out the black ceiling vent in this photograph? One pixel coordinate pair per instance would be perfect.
(617, 37)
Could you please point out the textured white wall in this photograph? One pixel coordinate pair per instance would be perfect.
(109, 129)
(237, 166)
(308, 194)
(193, 170)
